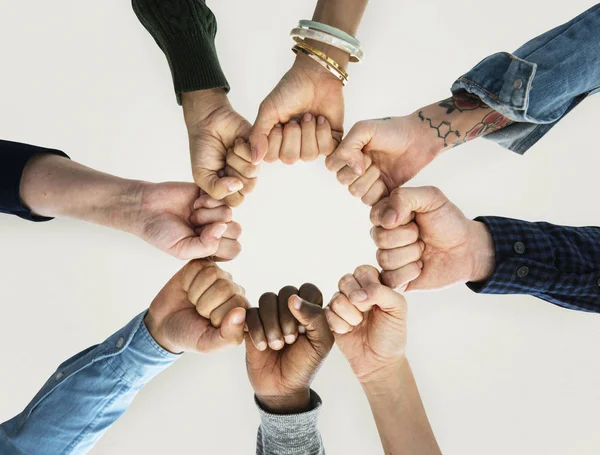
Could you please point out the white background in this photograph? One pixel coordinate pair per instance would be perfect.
(498, 374)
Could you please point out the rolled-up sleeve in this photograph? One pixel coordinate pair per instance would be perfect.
(13, 159)
(541, 81)
(559, 264)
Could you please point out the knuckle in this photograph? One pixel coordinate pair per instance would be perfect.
(224, 286)
(345, 279)
(383, 258)
(364, 270)
(355, 190)
(211, 273)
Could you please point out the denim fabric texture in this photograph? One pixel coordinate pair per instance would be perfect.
(540, 82)
(559, 264)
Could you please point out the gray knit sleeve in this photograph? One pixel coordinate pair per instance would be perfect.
(295, 434)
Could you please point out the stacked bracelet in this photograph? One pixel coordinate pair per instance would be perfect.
(300, 34)
(322, 59)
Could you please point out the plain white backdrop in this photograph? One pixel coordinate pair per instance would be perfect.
(498, 374)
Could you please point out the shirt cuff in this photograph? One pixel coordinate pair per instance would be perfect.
(291, 434)
(14, 158)
(524, 257)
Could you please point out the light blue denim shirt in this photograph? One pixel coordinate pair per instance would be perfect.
(91, 390)
(541, 82)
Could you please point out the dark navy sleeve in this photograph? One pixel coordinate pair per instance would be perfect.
(559, 264)
(13, 159)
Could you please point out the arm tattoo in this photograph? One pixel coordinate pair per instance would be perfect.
(461, 102)
(443, 128)
(493, 121)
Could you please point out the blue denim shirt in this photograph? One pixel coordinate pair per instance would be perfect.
(541, 82)
(86, 395)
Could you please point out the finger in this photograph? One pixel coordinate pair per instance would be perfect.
(228, 250)
(342, 307)
(243, 167)
(336, 323)
(221, 214)
(217, 187)
(394, 238)
(325, 140)
(269, 315)
(346, 176)
(350, 149)
(292, 142)
(385, 298)
(205, 201)
(311, 293)
(347, 284)
(402, 203)
(203, 280)
(231, 332)
(191, 270)
(249, 184)
(366, 275)
(399, 279)
(242, 149)
(310, 148)
(313, 319)
(377, 191)
(360, 186)
(398, 257)
(233, 231)
(216, 295)
(255, 329)
(287, 322)
(275, 141)
(204, 245)
(218, 315)
(259, 136)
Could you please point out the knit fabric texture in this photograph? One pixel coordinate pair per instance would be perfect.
(185, 30)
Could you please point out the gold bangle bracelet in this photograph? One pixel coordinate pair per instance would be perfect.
(323, 57)
(321, 62)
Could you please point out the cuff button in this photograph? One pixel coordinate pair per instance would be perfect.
(519, 247)
(518, 84)
(120, 342)
(523, 271)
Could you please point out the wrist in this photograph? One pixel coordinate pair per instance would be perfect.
(292, 403)
(200, 104)
(385, 379)
(155, 329)
(482, 252)
(312, 69)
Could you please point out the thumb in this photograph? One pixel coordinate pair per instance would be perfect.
(350, 149)
(377, 294)
(204, 245)
(217, 187)
(313, 318)
(259, 135)
(231, 331)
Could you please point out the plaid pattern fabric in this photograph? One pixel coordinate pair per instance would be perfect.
(559, 264)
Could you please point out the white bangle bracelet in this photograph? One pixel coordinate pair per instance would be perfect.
(299, 34)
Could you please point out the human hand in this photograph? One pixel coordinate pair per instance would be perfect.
(281, 373)
(178, 219)
(368, 320)
(309, 94)
(213, 126)
(200, 309)
(426, 242)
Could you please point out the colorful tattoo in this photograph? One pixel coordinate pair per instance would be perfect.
(461, 102)
(493, 121)
(443, 129)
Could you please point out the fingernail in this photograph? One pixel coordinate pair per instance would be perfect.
(237, 318)
(358, 296)
(297, 302)
(307, 117)
(276, 344)
(220, 230)
(235, 186)
(301, 329)
(261, 346)
(196, 204)
(293, 120)
(289, 339)
(321, 120)
(389, 217)
(420, 264)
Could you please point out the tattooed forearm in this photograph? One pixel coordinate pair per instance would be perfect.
(461, 102)
(443, 128)
(493, 121)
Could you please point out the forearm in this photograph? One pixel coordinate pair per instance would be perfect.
(53, 186)
(343, 14)
(399, 413)
(456, 120)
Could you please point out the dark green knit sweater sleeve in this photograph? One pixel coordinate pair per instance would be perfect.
(185, 31)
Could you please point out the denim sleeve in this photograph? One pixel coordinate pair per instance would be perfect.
(86, 395)
(559, 264)
(13, 159)
(296, 434)
(541, 82)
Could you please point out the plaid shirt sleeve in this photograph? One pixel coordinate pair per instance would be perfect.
(559, 264)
